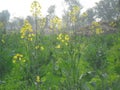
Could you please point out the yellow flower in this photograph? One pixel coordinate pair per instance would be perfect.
(66, 37)
(42, 48)
(60, 36)
(74, 11)
(24, 60)
(56, 23)
(3, 41)
(15, 57)
(37, 47)
(14, 61)
(38, 79)
(63, 40)
(51, 26)
(32, 35)
(26, 31)
(30, 39)
(57, 38)
(73, 19)
(112, 24)
(66, 44)
(99, 31)
(84, 14)
(58, 46)
(22, 36)
(29, 35)
(18, 57)
(95, 24)
(17, 54)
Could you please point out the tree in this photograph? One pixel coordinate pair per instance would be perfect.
(17, 23)
(4, 18)
(91, 15)
(31, 21)
(51, 10)
(107, 10)
(72, 3)
(87, 17)
(51, 14)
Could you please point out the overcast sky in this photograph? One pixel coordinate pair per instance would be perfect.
(21, 8)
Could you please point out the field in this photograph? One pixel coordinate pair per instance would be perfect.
(78, 49)
(59, 61)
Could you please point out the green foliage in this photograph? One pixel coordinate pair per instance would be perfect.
(81, 64)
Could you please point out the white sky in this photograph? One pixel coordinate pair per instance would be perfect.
(21, 8)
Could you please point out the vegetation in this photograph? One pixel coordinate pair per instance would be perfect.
(64, 57)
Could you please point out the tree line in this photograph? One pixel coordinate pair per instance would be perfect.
(72, 18)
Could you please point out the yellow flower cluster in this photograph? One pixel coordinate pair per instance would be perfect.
(75, 10)
(56, 23)
(37, 79)
(95, 24)
(18, 57)
(84, 14)
(58, 46)
(97, 28)
(26, 31)
(99, 31)
(35, 8)
(112, 24)
(64, 38)
(42, 22)
(39, 47)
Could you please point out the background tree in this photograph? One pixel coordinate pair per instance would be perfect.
(51, 15)
(88, 17)
(4, 19)
(31, 21)
(107, 10)
(51, 10)
(16, 23)
(42, 24)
